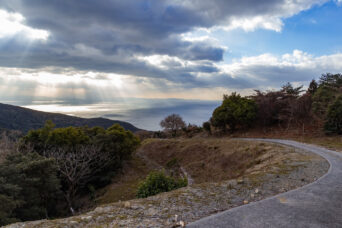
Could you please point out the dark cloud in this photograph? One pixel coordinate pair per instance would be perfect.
(108, 35)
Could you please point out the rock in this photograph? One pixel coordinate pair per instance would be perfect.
(73, 222)
(257, 191)
(252, 195)
(86, 217)
(135, 207)
(245, 202)
(127, 204)
(102, 209)
(151, 211)
(240, 181)
(182, 223)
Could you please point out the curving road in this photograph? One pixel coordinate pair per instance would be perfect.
(318, 204)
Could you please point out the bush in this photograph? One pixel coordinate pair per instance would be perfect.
(333, 122)
(157, 182)
(207, 127)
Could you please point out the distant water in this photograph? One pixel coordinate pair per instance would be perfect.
(143, 113)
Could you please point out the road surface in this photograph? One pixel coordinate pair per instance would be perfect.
(318, 204)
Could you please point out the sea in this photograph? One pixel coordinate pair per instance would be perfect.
(143, 113)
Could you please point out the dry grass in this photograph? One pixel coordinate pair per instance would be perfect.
(309, 134)
(331, 142)
(217, 159)
(204, 159)
(125, 185)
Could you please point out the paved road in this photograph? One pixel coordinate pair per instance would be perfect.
(318, 204)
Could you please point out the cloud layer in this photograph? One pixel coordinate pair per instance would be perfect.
(142, 44)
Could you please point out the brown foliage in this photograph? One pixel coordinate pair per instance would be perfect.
(172, 123)
(283, 107)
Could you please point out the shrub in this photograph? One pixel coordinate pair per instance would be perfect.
(207, 127)
(157, 182)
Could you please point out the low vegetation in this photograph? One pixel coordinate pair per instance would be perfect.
(157, 182)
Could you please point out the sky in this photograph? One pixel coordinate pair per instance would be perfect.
(139, 60)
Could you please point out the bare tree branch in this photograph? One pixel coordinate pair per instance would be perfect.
(77, 166)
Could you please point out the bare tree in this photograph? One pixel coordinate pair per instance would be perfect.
(173, 123)
(8, 145)
(77, 166)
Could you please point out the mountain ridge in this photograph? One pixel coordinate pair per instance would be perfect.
(24, 119)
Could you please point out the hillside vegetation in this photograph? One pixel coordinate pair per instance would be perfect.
(52, 172)
(264, 170)
(313, 112)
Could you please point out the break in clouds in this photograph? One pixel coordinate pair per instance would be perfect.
(80, 49)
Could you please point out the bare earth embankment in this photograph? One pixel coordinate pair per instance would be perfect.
(224, 173)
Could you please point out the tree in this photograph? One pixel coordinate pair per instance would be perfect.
(285, 106)
(312, 87)
(333, 123)
(235, 111)
(329, 89)
(331, 80)
(322, 99)
(289, 90)
(173, 123)
(77, 168)
(28, 187)
(85, 156)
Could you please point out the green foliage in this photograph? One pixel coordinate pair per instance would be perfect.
(73, 148)
(288, 89)
(322, 99)
(115, 140)
(157, 182)
(172, 163)
(329, 89)
(28, 187)
(331, 80)
(333, 122)
(234, 112)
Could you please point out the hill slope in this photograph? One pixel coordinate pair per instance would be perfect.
(24, 119)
